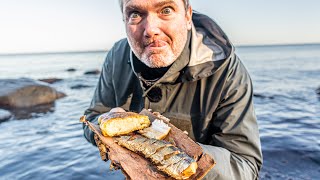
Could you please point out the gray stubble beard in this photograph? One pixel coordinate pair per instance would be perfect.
(148, 60)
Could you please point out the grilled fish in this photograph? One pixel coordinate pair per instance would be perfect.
(158, 130)
(165, 156)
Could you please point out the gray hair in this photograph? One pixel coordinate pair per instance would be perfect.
(186, 4)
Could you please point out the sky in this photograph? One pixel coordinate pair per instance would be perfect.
(28, 26)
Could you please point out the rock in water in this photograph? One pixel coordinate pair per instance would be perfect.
(50, 80)
(92, 72)
(4, 115)
(71, 70)
(79, 86)
(318, 91)
(25, 92)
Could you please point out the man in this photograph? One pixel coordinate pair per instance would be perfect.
(181, 64)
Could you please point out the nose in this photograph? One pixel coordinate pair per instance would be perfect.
(151, 26)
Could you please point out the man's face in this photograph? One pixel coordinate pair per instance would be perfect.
(157, 30)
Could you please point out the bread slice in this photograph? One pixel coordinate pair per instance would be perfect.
(121, 123)
(158, 130)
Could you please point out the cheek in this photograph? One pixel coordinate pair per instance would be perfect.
(133, 33)
(177, 33)
(175, 30)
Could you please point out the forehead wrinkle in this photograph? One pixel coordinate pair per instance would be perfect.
(129, 5)
(167, 2)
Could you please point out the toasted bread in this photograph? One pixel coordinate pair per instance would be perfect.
(121, 123)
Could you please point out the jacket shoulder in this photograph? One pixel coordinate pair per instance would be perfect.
(121, 45)
(120, 52)
(118, 57)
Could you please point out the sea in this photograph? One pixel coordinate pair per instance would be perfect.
(50, 144)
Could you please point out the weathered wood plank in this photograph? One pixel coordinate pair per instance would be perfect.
(137, 167)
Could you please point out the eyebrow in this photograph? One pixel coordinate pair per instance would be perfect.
(167, 2)
(158, 4)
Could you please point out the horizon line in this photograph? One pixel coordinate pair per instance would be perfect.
(277, 44)
(106, 50)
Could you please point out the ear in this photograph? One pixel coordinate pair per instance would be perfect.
(189, 17)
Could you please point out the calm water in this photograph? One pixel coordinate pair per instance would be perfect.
(50, 145)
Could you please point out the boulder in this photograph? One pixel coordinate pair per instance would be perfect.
(25, 92)
(4, 115)
(50, 80)
(71, 70)
(318, 91)
(92, 72)
(262, 96)
(79, 86)
(32, 112)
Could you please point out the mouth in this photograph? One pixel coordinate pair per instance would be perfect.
(157, 44)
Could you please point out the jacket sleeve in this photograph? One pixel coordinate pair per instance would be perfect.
(103, 99)
(235, 143)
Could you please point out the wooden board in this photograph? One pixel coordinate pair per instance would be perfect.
(136, 167)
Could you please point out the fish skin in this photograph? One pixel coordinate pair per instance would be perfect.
(173, 159)
(153, 147)
(139, 143)
(135, 144)
(160, 155)
(182, 165)
(164, 155)
(176, 168)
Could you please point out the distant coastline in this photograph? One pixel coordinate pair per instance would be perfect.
(52, 52)
(277, 45)
(106, 50)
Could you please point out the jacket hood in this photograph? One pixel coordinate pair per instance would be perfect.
(209, 49)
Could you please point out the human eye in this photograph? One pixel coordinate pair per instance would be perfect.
(134, 15)
(166, 11)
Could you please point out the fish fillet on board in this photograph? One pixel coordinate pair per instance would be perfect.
(135, 166)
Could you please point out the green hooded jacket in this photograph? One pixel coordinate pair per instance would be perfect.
(206, 92)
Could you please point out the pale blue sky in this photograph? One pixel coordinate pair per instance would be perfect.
(72, 25)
